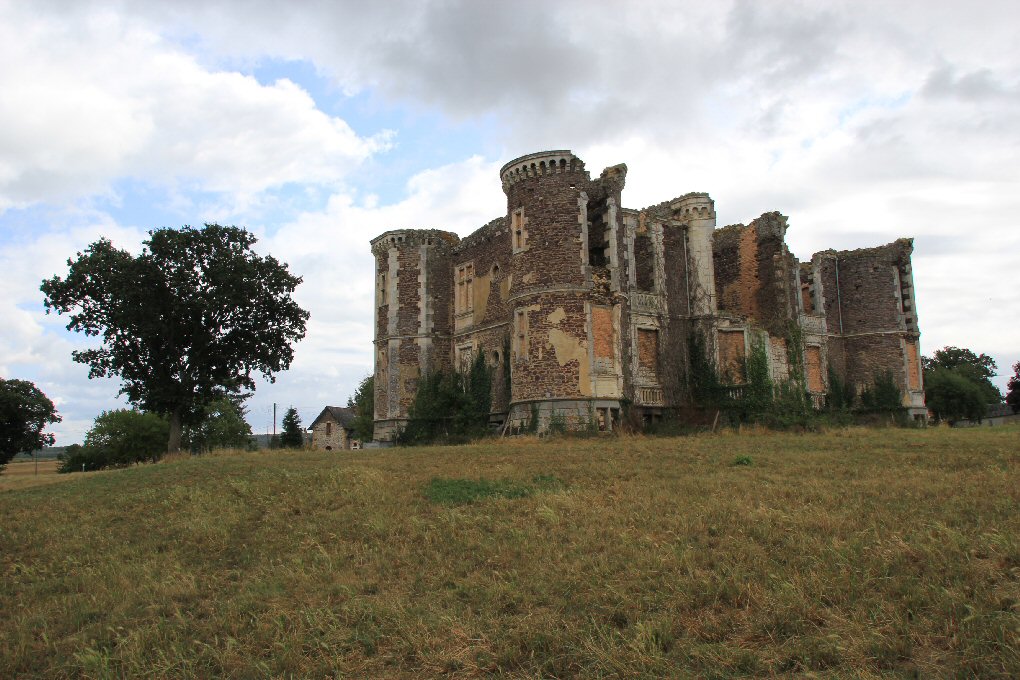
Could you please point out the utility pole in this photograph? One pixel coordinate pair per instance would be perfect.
(274, 418)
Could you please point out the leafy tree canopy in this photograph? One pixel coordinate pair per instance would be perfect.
(292, 437)
(952, 397)
(223, 426)
(363, 404)
(1013, 395)
(24, 412)
(187, 321)
(978, 368)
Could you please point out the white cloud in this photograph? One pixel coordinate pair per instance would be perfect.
(103, 97)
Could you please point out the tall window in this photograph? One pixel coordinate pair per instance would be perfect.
(465, 293)
(518, 232)
(521, 335)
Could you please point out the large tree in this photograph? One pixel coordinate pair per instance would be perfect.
(952, 397)
(24, 413)
(187, 321)
(977, 368)
(127, 436)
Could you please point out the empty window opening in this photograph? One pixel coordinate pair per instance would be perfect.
(644, 262)
(598, 234)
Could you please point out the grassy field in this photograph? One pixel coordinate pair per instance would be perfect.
(22, 474)
(881, 553)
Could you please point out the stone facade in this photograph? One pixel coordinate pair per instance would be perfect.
(331, 430)
(581, 305)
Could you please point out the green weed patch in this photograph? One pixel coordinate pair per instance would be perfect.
(464, 491)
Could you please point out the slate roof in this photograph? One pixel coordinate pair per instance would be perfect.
(339, 414)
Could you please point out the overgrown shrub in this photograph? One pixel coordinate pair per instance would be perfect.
(450, 406)
(841, 395)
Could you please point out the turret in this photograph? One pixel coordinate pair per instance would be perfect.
(412, 318)
(697, 211)
(550, 350)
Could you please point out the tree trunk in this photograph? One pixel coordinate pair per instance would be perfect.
(173, 447)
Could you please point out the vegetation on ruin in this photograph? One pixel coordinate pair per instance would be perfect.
(786, 403)
(186, 322)
(450, 407)
(855, 553)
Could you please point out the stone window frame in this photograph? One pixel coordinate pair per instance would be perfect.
(520, 340)
(642, 379)
(746, 338)
(518, 231)
(329, 428)
(822, 378)
(464, 288)
(465, 356)
(610, 368)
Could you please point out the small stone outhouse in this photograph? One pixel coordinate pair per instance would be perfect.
(331, 430)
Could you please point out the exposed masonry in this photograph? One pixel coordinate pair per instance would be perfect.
(594, 302)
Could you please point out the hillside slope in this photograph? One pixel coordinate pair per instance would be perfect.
(863, 553)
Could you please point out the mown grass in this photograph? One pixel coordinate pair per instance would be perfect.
(883, 553)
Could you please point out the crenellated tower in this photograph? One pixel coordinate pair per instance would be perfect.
(563, 247)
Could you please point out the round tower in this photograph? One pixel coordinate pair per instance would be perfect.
(697, 211)
(412, 311)
(550, 340)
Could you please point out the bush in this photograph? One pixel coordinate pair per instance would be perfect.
(952, 396)
(450, 407)
(117, 439)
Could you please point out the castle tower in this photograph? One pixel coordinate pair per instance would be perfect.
(868, 299)
(697, 211)
(412, 318)
(551, 337)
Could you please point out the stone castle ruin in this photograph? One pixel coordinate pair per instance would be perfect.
(582, 306)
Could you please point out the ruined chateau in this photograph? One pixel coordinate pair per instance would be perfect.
(582, 306)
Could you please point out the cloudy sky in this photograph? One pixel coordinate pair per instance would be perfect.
(318, 125)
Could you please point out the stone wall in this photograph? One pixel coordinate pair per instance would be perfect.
(329, 436)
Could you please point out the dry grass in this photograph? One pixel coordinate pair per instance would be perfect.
(882, 553)
(24, 474)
